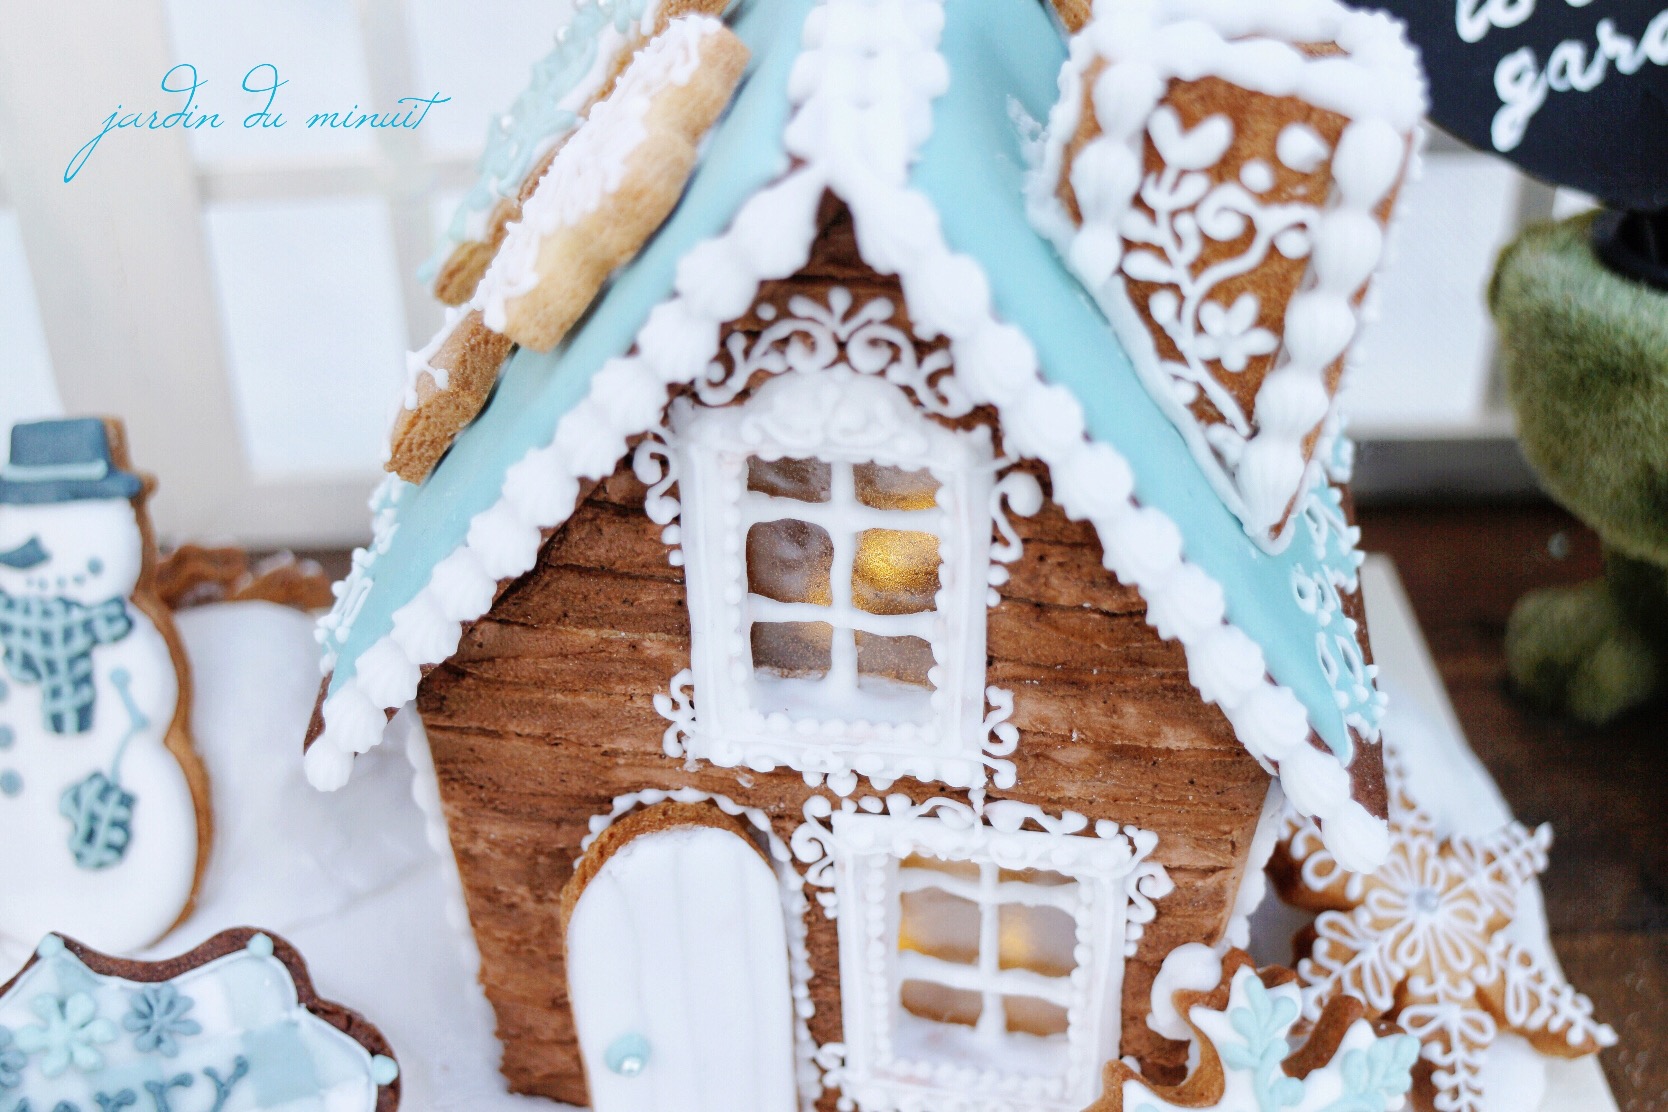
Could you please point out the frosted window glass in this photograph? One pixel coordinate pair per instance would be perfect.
(1425, 362)
(313, 329)
(316, 47)
(479, 54)
(27, 390)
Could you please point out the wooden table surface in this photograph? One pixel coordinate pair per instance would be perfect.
(1605, 791)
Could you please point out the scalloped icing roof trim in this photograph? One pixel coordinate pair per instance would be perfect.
(1376, 85)
(850, 147)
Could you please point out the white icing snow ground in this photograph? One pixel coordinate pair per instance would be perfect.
(349, 878)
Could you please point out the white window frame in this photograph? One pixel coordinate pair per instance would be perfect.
(121, 268)
(843, 417)
(866, 849)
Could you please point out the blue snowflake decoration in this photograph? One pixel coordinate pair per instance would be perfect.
(69, 1034)
(158, 1019)
(12, 1061)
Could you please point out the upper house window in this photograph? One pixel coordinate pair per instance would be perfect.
(837, 543)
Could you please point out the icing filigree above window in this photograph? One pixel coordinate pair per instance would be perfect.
(840, 547)
(816, 337)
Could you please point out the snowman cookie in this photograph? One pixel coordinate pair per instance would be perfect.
(103, 803)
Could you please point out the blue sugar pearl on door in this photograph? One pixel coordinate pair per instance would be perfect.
(628, 1054)
(11, 784)
(6, 737)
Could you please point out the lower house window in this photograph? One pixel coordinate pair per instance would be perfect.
(980, 961)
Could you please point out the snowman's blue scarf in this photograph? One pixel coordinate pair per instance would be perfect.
(50, 641)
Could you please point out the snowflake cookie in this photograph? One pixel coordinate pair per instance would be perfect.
(1239, 1020)
(1423, 942)
(234, 1024)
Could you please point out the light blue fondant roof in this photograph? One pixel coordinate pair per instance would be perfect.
(1001, 56)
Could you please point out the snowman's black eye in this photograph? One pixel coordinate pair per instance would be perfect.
(95, 566)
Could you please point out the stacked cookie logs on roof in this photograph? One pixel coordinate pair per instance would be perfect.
(525, 269)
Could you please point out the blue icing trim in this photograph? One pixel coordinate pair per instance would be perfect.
(384, 1070)
(260, 945)
(974, 170)
(51, 946)
(742, 155)
(255, 1048)
(11, 783)
(517, 139)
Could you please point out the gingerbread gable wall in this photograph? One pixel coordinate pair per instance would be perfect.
(545, 715)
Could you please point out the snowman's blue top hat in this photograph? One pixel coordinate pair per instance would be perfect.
(63, 461)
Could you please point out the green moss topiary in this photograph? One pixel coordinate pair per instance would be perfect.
(1585, 355)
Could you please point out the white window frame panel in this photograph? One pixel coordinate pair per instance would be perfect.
(121, 267)
(842, 417)
(865, 849)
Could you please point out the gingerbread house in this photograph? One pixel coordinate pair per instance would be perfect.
(870, 552)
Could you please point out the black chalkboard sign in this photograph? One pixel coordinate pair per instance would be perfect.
(1573, 91)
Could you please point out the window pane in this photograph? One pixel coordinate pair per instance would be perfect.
(789, 561)
(896, 571)
(1029, 1016)
(1041, 878)
(965, 870)
(315, 335)
(792, 648)
(804, 480)
(941, 1004)
(935, 923)
(893, 488)
(1041, 939)
(902, 659)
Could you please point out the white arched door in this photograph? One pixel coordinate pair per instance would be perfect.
(678, 974)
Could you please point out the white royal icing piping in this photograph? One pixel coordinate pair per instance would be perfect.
(856, 128)
(1257, 469)
(852, 850)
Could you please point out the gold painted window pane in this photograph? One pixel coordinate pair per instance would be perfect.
(940, 1003)
(804, 480)
(935, 923)
(893, 488)
(895, 572)
(793, 649)
(1030, 1016)
(1041, 939)
(901, 659)
(789, 561)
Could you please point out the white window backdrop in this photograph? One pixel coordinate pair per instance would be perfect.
(244, 298)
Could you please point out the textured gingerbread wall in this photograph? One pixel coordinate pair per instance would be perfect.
(546, 714)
